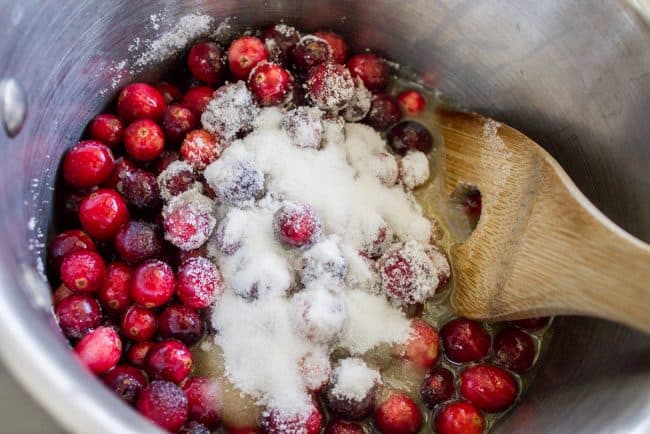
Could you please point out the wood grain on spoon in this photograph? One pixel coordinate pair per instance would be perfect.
(540, 247)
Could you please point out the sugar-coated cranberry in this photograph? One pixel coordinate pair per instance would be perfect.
(373, 70)
(106, 128)
(193, 427)
(139, 324)
(464, 340)
(297, 224)
(243, 54)
(166, 158)
(304, 126)
(515, 350)
(323, 261)
(163, 403)
(384, 112)
(177, 122)
(68, 242)
(138, 187)
(282, 422)
(315, 369)
(169, 360)
(337, 43)
(200, 148)
(459, 418)
(410, 136)
(114, 294)
(102, 213)
(199, 283)
(270, 83)
(231, 111)
(61, 293)
(330, 86)
(205, 400)
(438, 386)
(137, 354)
(170, 92)
(398, 414)
(280, 40)
(100, 349)
(411, 101)
(144, 140)
(236, 180)
(126, 382)
(421, 348)
(140, 101)
(87, 164)
(153, 284)
(350, 409)
(206, 62)
(182, 323)
(188, 220)
(317, 315)
(359, 105)
(138, 241)
(197, 98)
(340, 427)
(83, 271)
(77, 315)
(531, 323)
(378, 237)
(489, 388)
(311, 51)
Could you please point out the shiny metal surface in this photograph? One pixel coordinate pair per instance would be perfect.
(573, 75)
(13, 106)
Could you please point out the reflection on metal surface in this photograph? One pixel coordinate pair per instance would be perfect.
(13, 106)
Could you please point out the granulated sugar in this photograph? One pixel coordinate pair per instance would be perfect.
(353, 379)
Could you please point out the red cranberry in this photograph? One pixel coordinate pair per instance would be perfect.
(102, 213)
(311, 51)
(153, 284)
(340, 427)
(489, 388)
(188, 222)
(410, 135)
(459, 418)
(138, 241)
(515, 350)
(170, 92)
(166, 158)
(383, 113)
(411, 101)
(144, 140)
(100, 349)
(87, 164)
(337, 43)
(177, 122)
(350, 409)
(205, 61)
(197, 98)
(279, 41)
(163, 403)
(199, 283)
(60, 294)
(193, 427)
(438, 386)
(304, 126)
(330, 86)
(373, 70)
(69, 210)
(126, 382)
(137, 354)
(77, 315)
(107, 129)
(531, 323)
(205, 400)
(140, 100)
(243, 54)
(182, 323)
(169, 360)
(359, 106)
(83, 271)
(200, 148)
(270, 83)
(464, 340)
(422, 346)
(276, 422)
(177, 178)
(472, 206)
(139, 324)
(68, 242)
(297, 224)
(138, 187)
(398, 414)
(114, 293)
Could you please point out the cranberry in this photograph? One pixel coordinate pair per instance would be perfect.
(438, 386)
(170, 92)
(324, 260)
(205, 61)
(379, 238)
(297, 224)
(383, 113)
(236, 181)
(337, 43)
(87, 164)
(205, 400)
(163, 403)
(350, 409)
(69, 210)
(126, 382)
(459, 418)
(472, 205)
(182, 256)
(177, 178)
(311, 51)
(140, 100)
(182, 323)
(422, 346)
(411, 101)
(243, 54)
(137, 354)
(315, 369)
(139, 324)
(199, 283)
(144, 140)
(304, 126)
(398, 414)
(107, 129)
(188, 220)
(193, 427)
(340, 427)
(138, 241)
(115, 292)
(153, 284)
(490, 388)
(410, 135)
(100, 349)
(68, 242)
(77, 315)
(276, 422)
(137, 186)
(279, 41)
(197, 98)
(515, 350)
(169, 360)
(464, 340)
(177, 122)
(102, 213)
(270, 83)
(531, 323)
(60, 294)
(83, 271)
(200, 148)
(373, 70)
(330, 86)
(231, 111)
(166, 158)
(359, 106)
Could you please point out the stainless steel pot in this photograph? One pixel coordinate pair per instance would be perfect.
(573, 75)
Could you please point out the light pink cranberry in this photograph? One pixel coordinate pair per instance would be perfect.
(421, 349)
(100, 350)
(199, 283)
(411, 101)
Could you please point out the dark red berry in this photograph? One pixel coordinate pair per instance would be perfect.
(459, 418)
(464, 340)
(87, 164)
(182, 323)
(177, 178)
(531, 323)
(411, 101)
(68, 242)
(163, 403)
(197, 98)
(489, 388)
(126, 382)
(77, 315)
(107, 129)
(61, 293)
(205, 400)
(193, 427)
(350, 409)
(337, 43)
(100, 349)
(422, 347)
(270, 83)
(140, 101)
(410, 136)
(115, 292)
(515, 350)
(373, 70)
(200, 148)
(438, 386)
(330, 86)
(139, 324)
(170, 92)
(243, 54)
(169, 360)
(276, 422)
(199, 283)
(166, 158)
(153, 284)
(137, 354)
(138, 241)
(206, 62)
(83, 271)
(384, 112)
(138, 187)
(279, 41)
(102, 213)
(304, 126)
(177, 122)
(144, 140)
(311, 51)
(398, 414)
(340, 427)
(297, 224)
(472, 206)
(69, 209)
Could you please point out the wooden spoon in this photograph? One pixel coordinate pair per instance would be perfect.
(540, 247)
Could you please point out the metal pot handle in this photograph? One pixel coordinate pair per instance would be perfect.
(13, 106)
